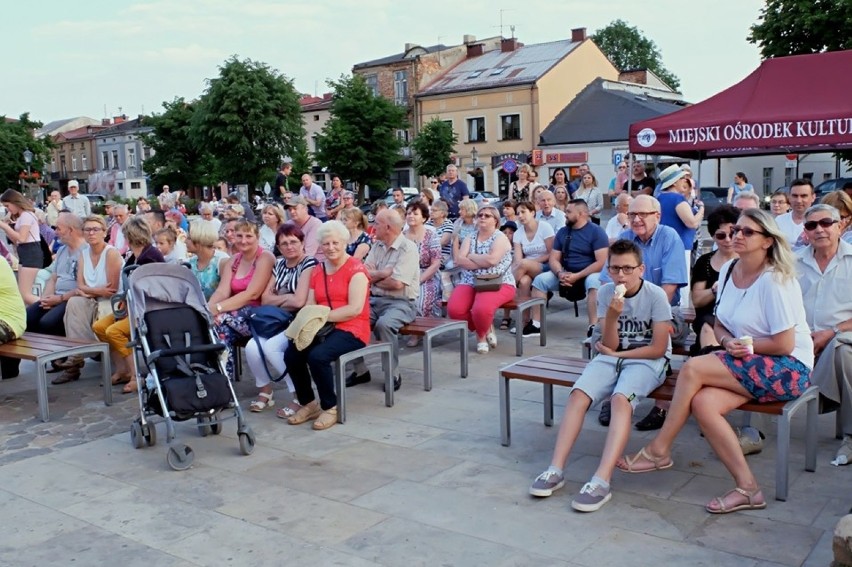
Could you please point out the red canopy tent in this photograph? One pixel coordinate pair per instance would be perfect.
(796, 104)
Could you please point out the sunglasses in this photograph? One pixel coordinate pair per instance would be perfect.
(485, 216)
(747, 232)
(825, 223)
(722, 235)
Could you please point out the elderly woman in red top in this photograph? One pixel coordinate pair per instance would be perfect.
(341, 282)
(244, 277)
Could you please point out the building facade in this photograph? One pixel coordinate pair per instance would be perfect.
(120, 156)
(74, 157)
(499, 101)
(315, 114)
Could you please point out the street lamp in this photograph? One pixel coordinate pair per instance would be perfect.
(28, 157)
(474, 155)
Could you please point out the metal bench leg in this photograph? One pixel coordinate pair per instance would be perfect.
(542, 340)
(464, 354)
(388, 372)
(106, 372)
(519, 332)
(505, 426)
(811, 434)
(548, 404)
(41, 387)
(427, 362)
(340, 384)
(782, 464)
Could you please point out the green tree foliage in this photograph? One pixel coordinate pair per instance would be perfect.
(359, 140)
(796, 27)
(628, 48)
(249, 118)
(178, 160)
(15, 138)
(433, 147)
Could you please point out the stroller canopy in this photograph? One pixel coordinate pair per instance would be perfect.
(157, 286)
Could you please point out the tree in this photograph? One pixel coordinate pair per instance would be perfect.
(627, 48)
(796, 27)
(249, 118)
(433, 147)
(359, 141)
(15, 137)
(178, 160)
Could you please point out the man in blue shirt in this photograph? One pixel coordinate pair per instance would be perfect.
(453, 190)
(665, 265)
(578, 255)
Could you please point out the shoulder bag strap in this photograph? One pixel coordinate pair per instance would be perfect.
(724, 283)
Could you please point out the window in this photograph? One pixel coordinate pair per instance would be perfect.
(83, 161)
(62, 167)
(131, 158)
(476, 129)
(767, 180)
(115, 159)
(146, 153)
(53, 164)
(373, 83)
(475, 74)
(510, 127)
(136, 185)
(497, 71)
(73, 162)
(450, 122)
(314, 138)
(400, 178)
(121, 186)
(316, 117)
(402, 136)
(400, 88)
(105, 160)
(789, 175)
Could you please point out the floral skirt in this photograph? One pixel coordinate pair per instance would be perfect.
(769, 378)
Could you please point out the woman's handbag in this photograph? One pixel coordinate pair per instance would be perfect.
(487, 282)
(266, 321)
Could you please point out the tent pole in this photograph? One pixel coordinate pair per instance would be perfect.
(630, 174)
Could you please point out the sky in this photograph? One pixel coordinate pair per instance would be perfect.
(102, 58)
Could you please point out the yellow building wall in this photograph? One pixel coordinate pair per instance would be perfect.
(567, 78)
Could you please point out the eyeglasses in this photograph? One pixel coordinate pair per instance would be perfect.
(825, 223)
(747, 232)
(92, 229)
(287, 243)
(722, 235)
(434, 182)
(626, 269)
(485, 216)
(641, 215)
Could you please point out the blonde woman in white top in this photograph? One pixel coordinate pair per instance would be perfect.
(592, 195)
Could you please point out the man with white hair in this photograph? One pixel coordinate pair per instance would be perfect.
(166, 198)
(547, 211)
(116, 236)
(619, 222)
(315, 196)
(206, 212)
(824, 270)
(746, 200)
(393, 265)
(76, 203)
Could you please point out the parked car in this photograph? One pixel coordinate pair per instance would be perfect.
(95, 198)
(713, 198)
(486, 198)
(830, 185)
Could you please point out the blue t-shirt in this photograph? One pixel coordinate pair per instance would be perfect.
(669, 202)
(664, 258)
(581, 247)
(453, 193)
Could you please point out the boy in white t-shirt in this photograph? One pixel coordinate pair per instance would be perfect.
(633, 345)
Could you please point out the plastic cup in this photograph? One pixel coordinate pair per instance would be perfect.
(749, 342)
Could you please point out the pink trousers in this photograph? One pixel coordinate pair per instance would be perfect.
(478, 308)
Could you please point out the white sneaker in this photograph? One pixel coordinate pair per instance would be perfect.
(491, 337)
(513, 330)
(482, 348)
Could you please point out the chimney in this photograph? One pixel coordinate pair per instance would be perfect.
(467, 38)
(508, 45)
(119, 119)
(409, 46)
(327, 96)
(578, 35)
(474, 50)
(105, 121)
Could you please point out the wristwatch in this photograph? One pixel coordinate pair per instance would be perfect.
(836, 330)
(218, 308)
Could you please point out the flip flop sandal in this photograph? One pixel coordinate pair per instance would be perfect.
(750, 504)
(653, 463)
(505, 324)
(257, 406)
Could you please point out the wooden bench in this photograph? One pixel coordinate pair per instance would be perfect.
(552, 370)
(677, 349)
(43, 349)
(518, 310)
(339, 367)
(430, 327)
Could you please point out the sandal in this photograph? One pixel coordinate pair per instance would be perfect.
(260, 405)
(749, 504)
(646, 462)
(505, 324)
(120, 378)
(326, 419)
(289, 410)
(305, 413)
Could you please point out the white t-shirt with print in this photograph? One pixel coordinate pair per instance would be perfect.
(641, 311)
(535, 247)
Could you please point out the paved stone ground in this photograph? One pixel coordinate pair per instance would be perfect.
(424, 482)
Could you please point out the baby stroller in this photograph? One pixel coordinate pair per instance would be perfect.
(171, 334)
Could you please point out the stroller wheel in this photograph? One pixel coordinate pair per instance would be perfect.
(216, 428)
(204, 428)
(150, 432)
(180, 457)
(247, 441)
(136, 437)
